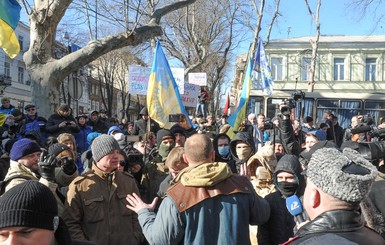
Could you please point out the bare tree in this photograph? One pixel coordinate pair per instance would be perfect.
(47, 71)
(314, 45)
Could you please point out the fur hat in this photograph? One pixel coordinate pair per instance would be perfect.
(345, 175)
(23, 148)
(103, 145)
(29, 204)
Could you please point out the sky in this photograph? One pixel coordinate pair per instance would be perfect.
(336, 18)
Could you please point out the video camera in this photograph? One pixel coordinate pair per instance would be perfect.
(290, 103)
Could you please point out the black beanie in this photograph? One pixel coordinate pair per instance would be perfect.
(57, 148)
(163, 133)
(29, 204)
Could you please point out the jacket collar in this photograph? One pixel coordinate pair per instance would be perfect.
(101, 173)
(336, 220)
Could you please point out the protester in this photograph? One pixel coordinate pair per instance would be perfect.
(203, 97)
(288, 181)
(29, 163)
(95, 208)
(242, 147)
(336, 184)
(97, 124)
(81, 137)
(221, 144)
(61, 121)
(207, 205)
(29, 215)
(141, 125)
(156, 171)
(33, 123)
(6, 107)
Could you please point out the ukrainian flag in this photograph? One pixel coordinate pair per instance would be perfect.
(239, 114)
(261, 65)
(9, 18)
(163, 96)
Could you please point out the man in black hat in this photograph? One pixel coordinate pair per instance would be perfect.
(141, 125)
(29, 215)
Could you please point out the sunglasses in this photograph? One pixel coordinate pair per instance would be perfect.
(31, 109)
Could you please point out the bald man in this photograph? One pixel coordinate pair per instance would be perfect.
(206, 205)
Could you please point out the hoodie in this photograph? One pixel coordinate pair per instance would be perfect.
(218, 158)
(243, 137)
(290, 164)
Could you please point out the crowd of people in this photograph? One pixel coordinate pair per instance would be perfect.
(91, 179)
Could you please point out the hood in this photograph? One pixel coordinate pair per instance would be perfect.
(91, 136)
(207, 174)
(290, 163)
(114, 128)
(244, 137)
(218, 157)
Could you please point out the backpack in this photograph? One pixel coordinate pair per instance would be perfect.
(4, 183)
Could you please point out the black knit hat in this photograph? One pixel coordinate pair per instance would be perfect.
(103, 145)
(57, 148)
(163, 134)
(29, 204)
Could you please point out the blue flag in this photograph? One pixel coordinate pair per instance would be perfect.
(239, 114)
(163, 96)
(261, 66)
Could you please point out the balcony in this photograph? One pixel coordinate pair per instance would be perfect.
(5, 81)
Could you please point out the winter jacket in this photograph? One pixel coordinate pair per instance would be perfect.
(96, 208)
(52, 126)
(61, 178)
(140, 127)
(6, 111)
(207, 205)
(99, 126)
(81, 138)
(288, 138)
(279, 228)
(34, 126)
(338, 225)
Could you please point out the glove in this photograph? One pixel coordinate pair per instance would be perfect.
(47, 165)
(68, 165)
(5, 134)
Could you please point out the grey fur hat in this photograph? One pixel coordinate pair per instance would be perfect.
(345, 175)
(103, 145)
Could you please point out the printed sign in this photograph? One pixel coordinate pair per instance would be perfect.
(198, 79)
(178, 74)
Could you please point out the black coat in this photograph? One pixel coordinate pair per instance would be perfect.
(342, 224)
(52, 126)
(279, 228)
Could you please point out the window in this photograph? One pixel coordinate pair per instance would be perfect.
(21, 39)
(276, 69)
(339, 69)
(370, 69)
(20, 75)
(7, 69)
(305, 69)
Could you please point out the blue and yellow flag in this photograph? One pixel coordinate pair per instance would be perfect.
(239, 114)
(163, 96)
(9, 19)
(261, 66)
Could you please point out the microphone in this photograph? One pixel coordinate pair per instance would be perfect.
(361, 129)
(294, 206)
